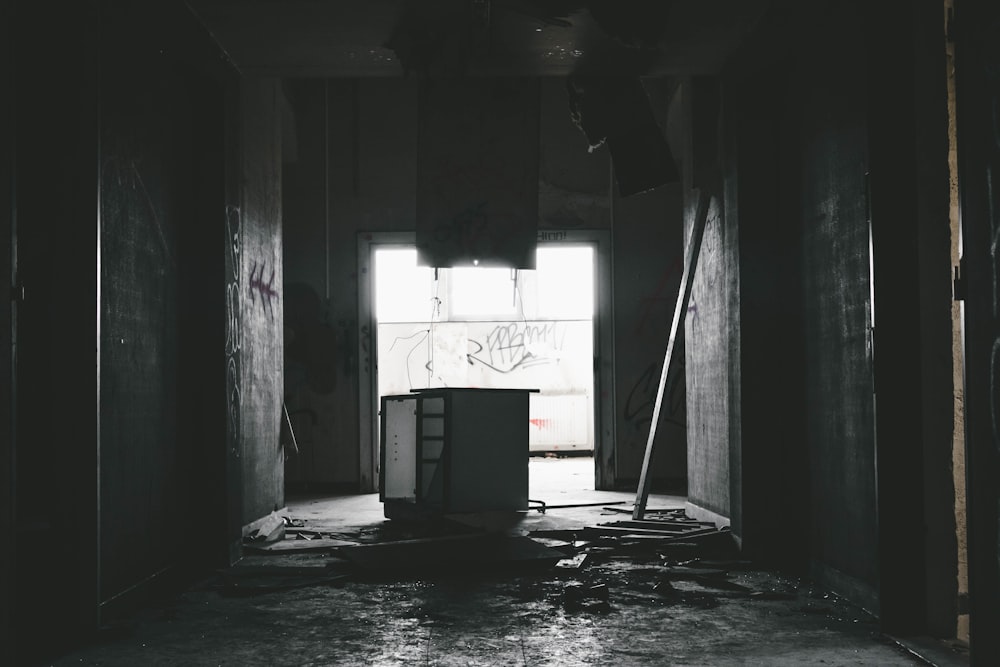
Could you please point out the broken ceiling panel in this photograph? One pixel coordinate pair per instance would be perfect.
(617, 111)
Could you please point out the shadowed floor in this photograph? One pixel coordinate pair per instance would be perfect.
(650, 607)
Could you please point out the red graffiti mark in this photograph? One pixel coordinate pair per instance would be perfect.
(266, 290)
(541, 423)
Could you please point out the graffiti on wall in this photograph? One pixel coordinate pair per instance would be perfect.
(654, 319)
(639, 405)
(234, 333)
(548, 355)
(265, 290)
(511, 346)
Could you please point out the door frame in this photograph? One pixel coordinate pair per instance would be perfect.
(604, 405)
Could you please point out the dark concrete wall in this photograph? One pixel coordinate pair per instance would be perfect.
(256, 243)
(978, 101)
(937, 363)
(122, 422)
(909, 209)
(161, 187)
(814, 143)
(839, 405)
(7, 146)
(144, 154)
(372, 153)
(57, 235)
(768, 461)
(785, 256)
(780, 406)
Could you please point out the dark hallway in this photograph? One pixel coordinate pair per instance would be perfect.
(192, 194)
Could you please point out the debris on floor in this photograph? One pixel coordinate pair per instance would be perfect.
(541, 506)
(574, 563)
(667, 558)
(304, 545)
(270, 529)
(683, 559)
(580, 597)
(441, 592)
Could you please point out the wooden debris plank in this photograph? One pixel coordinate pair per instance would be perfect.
(612, 530)
(656, 525)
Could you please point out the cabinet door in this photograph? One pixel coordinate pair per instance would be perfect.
(399, 449)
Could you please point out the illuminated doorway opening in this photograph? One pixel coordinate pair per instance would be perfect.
(494, 328)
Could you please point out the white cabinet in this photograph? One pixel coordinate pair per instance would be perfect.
(454, 450)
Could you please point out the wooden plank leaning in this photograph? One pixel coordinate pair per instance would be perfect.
(680, 310)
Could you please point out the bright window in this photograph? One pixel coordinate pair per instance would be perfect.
(477, 291)
(566, 282)
(404, 292)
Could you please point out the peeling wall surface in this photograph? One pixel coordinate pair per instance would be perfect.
(256, 346)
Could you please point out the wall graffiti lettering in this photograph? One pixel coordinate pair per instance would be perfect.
(233, 238)
(421, 338)
(234, 400)
(639, 405)
(515, 345)
(654, 319)
(234, 333)
(265, 290)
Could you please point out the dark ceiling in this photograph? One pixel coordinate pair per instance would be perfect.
(479, 37)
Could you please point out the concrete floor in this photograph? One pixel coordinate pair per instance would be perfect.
(470, 617)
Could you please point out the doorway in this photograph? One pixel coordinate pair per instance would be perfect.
(490, 328)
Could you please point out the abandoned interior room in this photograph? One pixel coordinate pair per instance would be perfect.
(519, 332)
